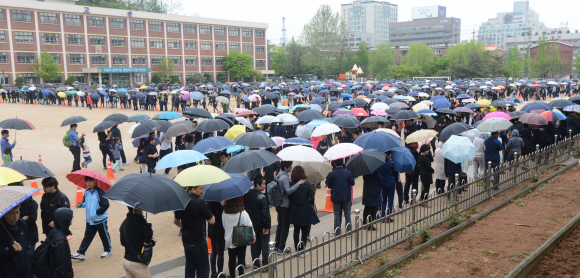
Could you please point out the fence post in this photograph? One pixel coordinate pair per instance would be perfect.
(515, 167)
(457, 191)
(539, 158)
(414, 194)
(488, 178)
(271, 259)
(555, 151)
(356, 235)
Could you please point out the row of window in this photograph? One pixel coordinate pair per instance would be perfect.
(136, 24)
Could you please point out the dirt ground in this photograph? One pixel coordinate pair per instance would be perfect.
(563, 261)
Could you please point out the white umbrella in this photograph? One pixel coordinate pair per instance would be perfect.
(315, 107)
(267, 120)
(494, 124)
(245, 122)
(428, 102)
(342, 150)
(421, 94)
(300, 153)
(315, 171)
(458, 149)
(495, 88)
(552, 83)
(80, 93)
(471, 134)
(380, 106)
(130, 131)
(468, 100)
(325, 129)
(288, 119)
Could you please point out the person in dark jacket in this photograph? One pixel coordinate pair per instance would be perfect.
(388, 176)
(340, 181)
(302, 214)
(216, 232)
(14, 239)
(573, 123)
(116, 133)
(371, 197)
(60, 262)
(280, 130)
(324, 144)
(425, 170)
(258, 209)
(152, 155)
(52, 199)
(450, 170)
(104, 147)
(135, 234)
(526, 135)
(492, 149)
(412, 178)
(29, 213)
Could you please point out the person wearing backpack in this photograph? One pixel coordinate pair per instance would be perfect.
(14, 239)
(52, 258)
(282, 204)
(136, 233)
(74, 146)
(235, 215)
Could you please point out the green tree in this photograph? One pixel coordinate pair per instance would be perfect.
(280, 63)
(222, 77)
(165, 68)
(196, 78)
(557, 64)
(541, 65)
(294, 53)
(239, 65)
(419, 54)
(174, 79)
(208, 77)
(19, 82)
(46, 68)
(406, 71)
(69, 81)
(576, 63)
(514, 64)
(349, 62)
(362, 56)
(156, 79)
(382, 61)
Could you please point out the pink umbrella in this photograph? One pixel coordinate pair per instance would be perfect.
(343, 112)
(268, 88)
(254, 98)
(78, 178)
(342, 150)
(497, 115)
(386, 88)
(379, 113)
(343, 86)
(185, 96)
(425, 142)
(278, 140)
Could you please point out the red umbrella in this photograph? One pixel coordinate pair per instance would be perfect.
(78, 178)
(359, 112)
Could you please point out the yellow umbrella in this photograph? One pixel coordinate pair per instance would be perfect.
(201, 175)
(420, 106)
(513, 85)
(420, 135)
(8, 176)
(235, 131)
(142, 87)
(483, 101)
(62, 95)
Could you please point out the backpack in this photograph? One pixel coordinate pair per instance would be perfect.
(275, 193)
(66, 139)
(40, 259)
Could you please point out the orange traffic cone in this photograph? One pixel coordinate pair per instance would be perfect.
(208, 245)
(34, 184)
(122, 107)
(23, 102)
(80, 195)
(101, 106)
(34, 103)
(179, 109)
(328, 205)
(0, 100)
(156, 108)
(110, 170)
(67, 104)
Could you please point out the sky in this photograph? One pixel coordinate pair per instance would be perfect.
(299, 12)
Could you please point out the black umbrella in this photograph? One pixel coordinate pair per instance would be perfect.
(145, 127)
(575, 99)
(515, 114)
(255, 140)
(179, 129)
(31, 169)
(17, 124)
(347, 121)
(197, 113)
(73, 120)
(104, 126)
(446, 111)
(250, 160)
(121, 94)
(372, 122)
(452, 129)
(561, 103)
(389, 101)
(262, 110)
(119, 118)
(404, 115)
(164, 125)
(309, 115)
(212, 125)
(365, 162)
(225, 119)
(152, 193)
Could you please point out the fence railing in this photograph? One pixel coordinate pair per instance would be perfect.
(330, 254)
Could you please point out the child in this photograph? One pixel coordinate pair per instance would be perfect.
(117, 155)
(86, 153)
(6, 155)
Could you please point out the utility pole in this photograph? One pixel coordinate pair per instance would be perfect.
(283, 39)
(474, 31)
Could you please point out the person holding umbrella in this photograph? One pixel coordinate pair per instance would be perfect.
(493, 147)
(75, 148)
(4, 143)
(388, 182)
(412, 178)
(116, 133)
(425, 170)
(14, 237)
(340, 181)
(136, 233)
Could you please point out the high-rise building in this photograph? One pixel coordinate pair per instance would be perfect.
(369, 21)
(437, 33)
(525, 40)
(521, 19)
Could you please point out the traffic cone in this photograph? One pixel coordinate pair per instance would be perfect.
(179, 109)
(208, 245)
(34, 103)
(101, 106)
(328, 205)
(122, 107)
(67, 104)
(156, 108)
(34, 184)
(110, 170)
(79, 198)
(23, 102)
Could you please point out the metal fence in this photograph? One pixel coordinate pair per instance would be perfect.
(328, 255)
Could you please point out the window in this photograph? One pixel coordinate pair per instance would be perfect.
(173, 44)
(205, 45)
(76, 59)
(173, 27)
(260, 63)
(20, 15)
(247, 47)
(2, 36)
(234, 46)
(118, 41)
(191, 60)
(49, 18)
(155, 60)
(205, 29)
(56, 57)
(219, 61)
(30, 77)
(189, 44)
(49, 38)
(206, 61)
(176, 59)
(221, 31)
(98, 59)
(72, 19)
(3, 58)
(139, 60)
(1, 14)
(259, 49)
(23, 37)
(220, 46)
(259, 33)
(136, 24)
(79, 76)
(436, 51)
(246, 32)
(97, 40)
(96, 21)
(155, 26)
(137, 42)
(74, 39)
(234, 32)
(118, 23)
(119, 59)
(156, 43)
(5, 79)
(189, 28)
(25, 57)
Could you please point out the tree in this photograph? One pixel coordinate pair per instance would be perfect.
(174, 79)
(557, 64)
(46, 68)
(165, 68)
(196, 78)
(382, 61)
(405, 71)
(222, 77)
(280, 63)
(514, 66)
(294, 53)
(156, 79)
(71, 80)
(362, 55)
(419, 54)
(576, 63)
(239, 65)
(208, 76)
(541, 65)
(19, 82)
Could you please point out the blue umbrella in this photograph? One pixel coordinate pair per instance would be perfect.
(557, 115)
(437, 97)
(226, 116)
(458, 149)
(345, 95)
(463, 96)
(403, 159)
(427, 112)
(95, 95)
(196, 95)
(140, 96)
(380, 141)
(441, 103)
(413, 94)
(237, 186)
(317, 100)
(316, 123)
(11, 196)
(169, 115)
(46, 92)
(245, 98)
(226, 87)
(515, 100)
(235, 148)
(178, 158)
(213, 144)
(325, 91)
(123, 90)
(297, 141)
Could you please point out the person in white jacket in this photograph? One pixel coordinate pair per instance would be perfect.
(235, 215)
(439, 168)
(478, 160)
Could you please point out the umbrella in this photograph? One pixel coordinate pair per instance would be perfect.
(228, 189)
(420, 135)
(169, 115)
(104, 126)
(119, 118)
(342, 150)
(403, 160)
(365, 162)
(254, 140)
(380, 106)
(200, 175)
(78, 178)
(152, 193)
(179, 129)
(298, 141)
(309, 115)
(235, 131)
(537, 105)
(345, 121)
(560, 103)
(463, 110)
(178, 158)
(250, 160)
(213, 144)
(137, 140)
(212, 125)
(420, 106)
(17, 124)
(315, 171)
(73, 120)
(497, 115)
(405, 115)
(222, 100)
(196, 112)
(372, 122)
(359, 112)
(145, 127)
(458, 149)
(553, 116)
(516, 114)
(9, 175)
(380, 141)
(533, 119)
(300, 153)
(325, 129)
(267, 120)
(452, 129)
(494, 124)
(11, 196)
(343, 112)
(483, 102)
(138, 118)
(164, 126)
(287, 119)
(31, 169)
(441, 103)
(572, 108)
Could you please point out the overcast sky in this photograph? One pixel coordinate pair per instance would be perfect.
(299, 12)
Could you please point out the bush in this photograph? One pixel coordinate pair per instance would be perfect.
(196, 78)
(174, 79)
(207, 76)
(19, 82)
(156, 79)
(69, 81)
(222, 77)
